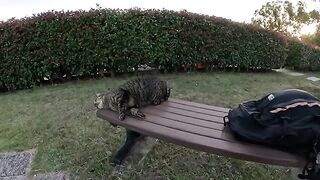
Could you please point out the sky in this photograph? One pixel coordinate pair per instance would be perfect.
(236, 10)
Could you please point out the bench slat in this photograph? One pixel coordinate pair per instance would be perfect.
(194, 109)
(194, 129)
(214, 117)
(213, 123)
(184, 119)
(194, 104)
(198, 131)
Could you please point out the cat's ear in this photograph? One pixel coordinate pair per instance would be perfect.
(98, 94)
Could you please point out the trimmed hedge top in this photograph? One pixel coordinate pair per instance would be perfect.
(84, 43)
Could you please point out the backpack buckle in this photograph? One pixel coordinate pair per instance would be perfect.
(225, 122)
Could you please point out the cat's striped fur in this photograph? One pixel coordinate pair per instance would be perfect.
(134, 94)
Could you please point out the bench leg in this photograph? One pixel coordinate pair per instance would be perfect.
(131, 139)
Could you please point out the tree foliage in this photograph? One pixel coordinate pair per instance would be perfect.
(283, 16)
(316, 37)
(312, 38)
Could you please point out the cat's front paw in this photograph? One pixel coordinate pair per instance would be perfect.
(140, 115)
(122, 116)
(156, 102)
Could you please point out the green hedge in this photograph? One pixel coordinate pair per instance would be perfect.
(84, 43)
(303, 56)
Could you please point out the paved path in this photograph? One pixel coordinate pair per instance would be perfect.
(14, 166)
(17, 165)
(293, 73)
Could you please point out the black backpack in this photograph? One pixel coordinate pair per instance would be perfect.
(287, 119)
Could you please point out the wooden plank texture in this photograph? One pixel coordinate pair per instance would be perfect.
(200, 127)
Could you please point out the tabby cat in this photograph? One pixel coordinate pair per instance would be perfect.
(134, 94)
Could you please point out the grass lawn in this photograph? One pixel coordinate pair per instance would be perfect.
(60, 122)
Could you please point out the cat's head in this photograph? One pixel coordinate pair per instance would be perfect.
(113, 99)
(99, 101)
(109, 100)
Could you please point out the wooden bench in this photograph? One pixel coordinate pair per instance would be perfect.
(195, 126)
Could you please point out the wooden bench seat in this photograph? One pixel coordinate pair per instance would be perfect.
(199, 127)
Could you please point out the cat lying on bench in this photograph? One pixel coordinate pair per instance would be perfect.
(134, 94)
(127, 99)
